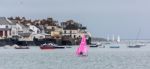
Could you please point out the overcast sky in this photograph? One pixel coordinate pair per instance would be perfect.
(102, 17)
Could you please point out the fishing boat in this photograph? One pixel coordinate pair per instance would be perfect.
(82, 50)
(51, 46)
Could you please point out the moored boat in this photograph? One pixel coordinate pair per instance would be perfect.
(22, 47)
(134, 46)
(51, 46)
(115, 46)
(94, 45)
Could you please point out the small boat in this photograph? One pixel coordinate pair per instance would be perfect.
(134, 46)
(51, 46)
(94, 45)
(22, 47)
(68, 47)
(115, 46)
(82, 50)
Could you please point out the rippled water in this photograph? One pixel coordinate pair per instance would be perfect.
(98, 58)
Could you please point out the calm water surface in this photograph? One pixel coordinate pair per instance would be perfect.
(98, 58)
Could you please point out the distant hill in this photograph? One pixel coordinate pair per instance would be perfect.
(98, 39)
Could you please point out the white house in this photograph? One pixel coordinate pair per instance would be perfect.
(34, 29)
(5, 28)
(74, 33)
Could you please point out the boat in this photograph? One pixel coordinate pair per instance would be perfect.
(82, 50)
(21, 47)
(98, 44)
(94, 45)
(115, 46)
(51, 46)
(134, 46)
(68, 47)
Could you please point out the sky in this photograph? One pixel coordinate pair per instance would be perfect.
(130, 19)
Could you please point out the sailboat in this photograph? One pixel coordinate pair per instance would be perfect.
(118, 39)
(82, 50)
(136, 45)
(116, 45)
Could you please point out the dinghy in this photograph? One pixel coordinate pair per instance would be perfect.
(82, 50)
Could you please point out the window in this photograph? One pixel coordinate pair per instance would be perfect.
(53, 28)
(74, 36)
(6, 26)
(65, 31)
(70, 31)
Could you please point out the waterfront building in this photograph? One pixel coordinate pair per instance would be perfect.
(38, 30)
(73, 29)
(6, 26)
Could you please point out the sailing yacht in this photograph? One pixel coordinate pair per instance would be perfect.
(136, 45)
(116, 44)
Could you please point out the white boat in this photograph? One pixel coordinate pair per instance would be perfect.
(136, 45)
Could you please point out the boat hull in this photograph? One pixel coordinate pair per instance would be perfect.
(114, 47)
(93, 45)
(21, 47)
(137, 46)
(51, 47)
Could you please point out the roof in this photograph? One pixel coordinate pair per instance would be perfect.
(14, 21)
(4, 29)
(5, 21)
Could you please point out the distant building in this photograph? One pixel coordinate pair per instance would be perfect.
(6, 26)
(34, 29)
(73, 29)
(28, 30)
(57, 33)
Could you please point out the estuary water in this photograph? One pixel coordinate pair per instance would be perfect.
(98, 58)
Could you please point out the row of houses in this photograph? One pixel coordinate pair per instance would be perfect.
(27, 30)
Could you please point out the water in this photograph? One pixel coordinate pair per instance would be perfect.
(98, 58)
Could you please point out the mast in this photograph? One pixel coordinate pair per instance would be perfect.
(108, 39)
(138, 34)
(113, 38)
(118, 38)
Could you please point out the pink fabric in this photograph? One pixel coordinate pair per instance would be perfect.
(83, 46)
